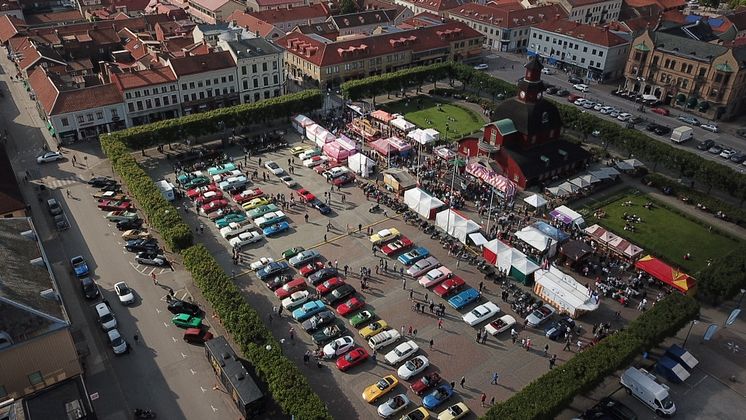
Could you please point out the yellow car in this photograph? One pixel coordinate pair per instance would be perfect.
(135, 234)
(256, 202)
(297, 150)
(384, 236)
(454, 412)
(418, 413)
(380, 388)
(374, 328)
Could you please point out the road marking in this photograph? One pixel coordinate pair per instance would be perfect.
(165, 324)
(193, 372)
(214, 410)
(173, 338)
(183, 356)
(157, 311)
(203, 390)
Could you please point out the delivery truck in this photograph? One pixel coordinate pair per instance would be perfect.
(682, 134)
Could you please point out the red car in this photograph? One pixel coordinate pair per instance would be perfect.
(424, 383)
(208, 197)
(343, 179)
(213, 206)
(309, 269)
(196, 192)
(353, 358)
(248, 195)
(325, 167)
(305, 195)
(329, 285)
(399, 245)
(114, 205)
(224, 211)
(197, 335)
(350, 306)
(449, 286)
(661, 111)
(290, 288)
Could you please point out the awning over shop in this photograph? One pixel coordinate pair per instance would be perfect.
(477, 238)
(667, 274)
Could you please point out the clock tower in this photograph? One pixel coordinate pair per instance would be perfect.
(530, 88)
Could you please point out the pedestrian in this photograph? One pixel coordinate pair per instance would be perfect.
(495, 377)
(546, 350)
(306, 217)
(492, 400)
(484, 337)
(453, 384)
(567, 345)
(409, 331)
(324, 237)
(463, 381)
(580, 345)
(595, 327)
(291, 333)
(404, 284)
(401, 271)
(552, 361)
(528, 344)
(440, 323)
(483, 398)
(373, 356)
(411, 294)
(431, 343)
(306, 357)
(136, 338)
(523, 342)
(479, 335)
(279, 310)
(359, 227)
(481, 286)
(414, 333)
(426, 298)
(402, 330)
(274, 310)
(346, 267)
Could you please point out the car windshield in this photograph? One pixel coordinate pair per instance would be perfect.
(123, 290)
(382, 384)
(455, 410)
(667, 403)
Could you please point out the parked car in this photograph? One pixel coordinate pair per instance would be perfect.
(177, 306)
(308, 309)
(315, 161)
(48, 157)
(314, 322)
(660, 111)
(113, 205)
(117, 216)
(271, 269)
(311, 268)
(303, 257)
(705, 144)
(289, 288)
(438, 396)
(715, 150)
(401, 352)
(339, 294)
(275, 229)
(89, 288)
(559, 329)
(151, 258)
(574, 80)
(309, 154)
(124, 293)
(321, 275)
(361, 318)
(609, 409)
(394, 405)
(423, 266)
(141, 245)
(245, 238)
(327, 334)
(709, 127)
(260, 263)
(425, 383)
(213, 206)
(373, 328)
(419, 413)
(435, 276)
(482, 66)
(229, 218)
(353, 358)
(248, 195)
(464, 298)
(540, 315)
(131, 234)
(413, 256)
(273, 167)
(262, 210)
(197, 335)
(581, 87)
(79, 266)
(100, 181)
(449, 286)
(503, 324)
(118, 344)
(350, 306)
(187, 321)
(454, 412)
(413, 367)
(255, 203)
(384, 235)
(321, 207)
(689, 120)
(382, 387)
(338, 347)
(328, 285)
(295, 299)
(481, 313)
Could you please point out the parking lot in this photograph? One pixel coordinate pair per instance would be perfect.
(455, 352)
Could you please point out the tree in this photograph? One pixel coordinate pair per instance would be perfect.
(348, 6)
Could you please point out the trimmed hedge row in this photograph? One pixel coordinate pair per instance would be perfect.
(389, 82)
(723, 278)
(177, 129)
(549, 394)
(286, 383)
(161, 215)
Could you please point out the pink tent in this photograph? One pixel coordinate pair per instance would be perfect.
(382, 146)
(399, 144)
(335, 152)
(347, 143)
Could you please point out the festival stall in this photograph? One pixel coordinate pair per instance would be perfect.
(536, 201)
(364, 129)
(613, 242)
(445, 153)
(667, 274)
(323, 137)
(492, 249)
(568, 217)
(336, 152)
(537, 240)
(421, 136)
(361, 164)
(575, 251)
(564, 292)
(300, 122)
(455, 224)
(347, 144)
(398, 180)
(401, 124)
(422, 203)
(505, 186)
(382, 147)
(311, 131)
(556, 234)
(517, 265)
(401, 146)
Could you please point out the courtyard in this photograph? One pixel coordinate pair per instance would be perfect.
(452, 121)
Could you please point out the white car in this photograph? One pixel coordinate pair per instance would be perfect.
(481, 313)
(245, 238)
(117, 342)
(296, 299)
(309, 154)
(710, 127)
(394, 405)
(315, 161)
(235, 228)
(423, 266)
(49, 157)
(547, 70)
(727, 153)
(454, 412)
(624, 116)
(580, 101)
(288, 180)
(273, 167)
(413, 367)
(606, 110)
(401, 352)
(581, 87)
(598, 107)
(496, 327)
(338, 347)
(482, 66)
(269, 218)
(260, 263)
(435, 276)
(124, 293)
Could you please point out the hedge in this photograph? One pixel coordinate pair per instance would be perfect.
(288, 385)
(549, 394)
(723, 278)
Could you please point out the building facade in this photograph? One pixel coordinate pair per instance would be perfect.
(704, 78)
(592, 12)
(149, 95)
(589, 51)
(438, 7)
(212, 11)
(205, 81)
(259, 67)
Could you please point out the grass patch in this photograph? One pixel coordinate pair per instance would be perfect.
(427, 115)
(667, 234)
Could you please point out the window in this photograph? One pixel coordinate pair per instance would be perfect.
(209, 93)
(89, 117)
(247, 98)
(147, 92)
(264, 66)
(233, 89)
(243, 70)
(128, 95)
(274, 65)
(585, 49)
(225, 91)
(80, 119)
(593, 51)
(137, 94)
(215, 81)
(139, 105)
(256, 96)
(582, 60)
(276, 79)
(684, 83)
(65, 122)
(667, 63)
(202, 95)
(99, 115)
(199, 84)
(702, 72)
(35, 378)
(114, 113)
(3, 391)
(186, 98)
(208, 82)
(166, 101)
(191, 85)
(222, 79)
(194, 96)
(266, 94)
(256, 83)
(277, 92)
(173, 99)
(245, 85)
(266, 80)
(230, 77)
(253, 68)
(148, 103)
(157, 102)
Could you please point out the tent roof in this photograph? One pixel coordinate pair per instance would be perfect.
(565, 291)
(580, 182)
(556, 234)
(665, 273)
(477, 238)
(575, 250)
(533, 237)
(535, 200)
(496, 246)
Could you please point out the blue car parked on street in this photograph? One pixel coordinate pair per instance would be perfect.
(308, 310)
(276, 228)
(413, 256)
(464, 298)
(438, 396)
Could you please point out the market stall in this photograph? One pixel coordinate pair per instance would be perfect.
(347, 144)
(422, 203)
(568, 216)
(300, 122)
(564, 292)
(335, 152)
(492, 249)
(455, 224)
(361, 164)
(401, 124)
(536, 201)
(398, 180)
(423, 136)
(667, 274)
(517, 265)
(323, 137)
(505, 186)
(537, 240)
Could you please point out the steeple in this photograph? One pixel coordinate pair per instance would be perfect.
(531, 86)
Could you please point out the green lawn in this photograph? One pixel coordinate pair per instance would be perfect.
(667, 234)
(427, 115)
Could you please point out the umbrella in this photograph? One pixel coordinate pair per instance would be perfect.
(624, 166)
(580, 182)
(634, 162)
(569, 187)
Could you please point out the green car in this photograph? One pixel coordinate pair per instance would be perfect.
(277, 218)
(187, 321)
(361, 318)
(229, 218)
(261, 211)
(291, 252)
(197, 181)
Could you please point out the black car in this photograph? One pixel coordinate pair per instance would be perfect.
(551, 90)
(574, 80)
(321, 206)
(636, 120)
(662, 130)
(609, 408)
(563, 92)
(321, 275)
(651, 127)
(558, 330)
(100, 181)
(141, 245)
(338, 294)
(705, 144)
(317, 321)
(123, 225)
(89, 288)
(738, 157)
(114, 187)
(278, 282)
(176, 306)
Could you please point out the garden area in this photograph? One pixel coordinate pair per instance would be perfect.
(428, 113)
(666, 233)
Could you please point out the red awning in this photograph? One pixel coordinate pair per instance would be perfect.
(665, 273)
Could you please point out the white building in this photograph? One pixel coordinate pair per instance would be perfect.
(149, 95)
(592, 11)
(206, 81)
(259, 68)
(590, 51)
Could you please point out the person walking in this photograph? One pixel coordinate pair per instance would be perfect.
(136, 338)
(373, 356)
(440, 323)
(492, 400)
(402, 330)
(463, 381)
(291, 333)
(495, 377)
(546, 350)
(552, 361)
(479, 335)
(483, 398)
(411, 294)
(481, 286)
(431, 343)
(306, 357)
(567, 344)
(404, 284)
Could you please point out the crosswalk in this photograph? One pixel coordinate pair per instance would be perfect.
(57, 183)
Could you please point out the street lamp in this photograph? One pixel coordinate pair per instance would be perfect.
(694, 322)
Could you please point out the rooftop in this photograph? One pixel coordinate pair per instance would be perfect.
(255, 47)
(246, 390)
(506, 16)
(662, 4)
(184, 66)
(364, 18)
(252, 23)
(212, 5)
(276, 16)
(436, 5)
(52, 18)
(24, 312)
(143, 78)
(57, 98)
(53, 402)
(591, 34)
(11, 199)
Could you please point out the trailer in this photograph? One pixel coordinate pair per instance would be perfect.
(671, 370)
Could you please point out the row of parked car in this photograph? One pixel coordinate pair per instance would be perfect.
(733, 155)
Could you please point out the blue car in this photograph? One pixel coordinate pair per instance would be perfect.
(272, 269)
(276, 228)
(321, 206)
(464, 298)
(413, 256)
(438, 396)
(308, 310)
(80, 266)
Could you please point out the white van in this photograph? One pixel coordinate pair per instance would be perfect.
(383, 339)
(167, 189)
(682, 134)
(105, 316)
(642, 385)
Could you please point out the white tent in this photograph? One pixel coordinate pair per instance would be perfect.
(569, 187)
(611, 172)
(633, 162)
(492, 249)
(311, 131)
(323, 137)
(477, 238)
(455, 224)
(300, 122)
(624, 166)
(590, 178)
(361, 164)
(558, 191)
(422, 136)
(535, 201)
(599, 174)
(421, 202)
(564, 292)
(435, 134)
(513, 258)
(537, 240)
(402, 124)
(580, 182)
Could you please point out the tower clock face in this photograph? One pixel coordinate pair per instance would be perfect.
(522, 94)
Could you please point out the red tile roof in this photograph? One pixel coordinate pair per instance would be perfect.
(46, 92)
(437, 5)
(54, 17)
(143, 78)
(56, 101)
(588, 33)
(252, 23)
(505, 16)
(212, 5)
(663, 4)
(268, 3)
(423, 39)
(131, 5)
(275, 16)
(10, 26)
(184, 66)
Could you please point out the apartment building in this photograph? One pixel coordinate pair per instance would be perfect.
(363, 23)
(212, 11)
(205, 81)
(259, 68)
(254, 25)
(259, 5)
(438, 7)
(591, 12)
(287, 19)
(586, 50)
(149, 95)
